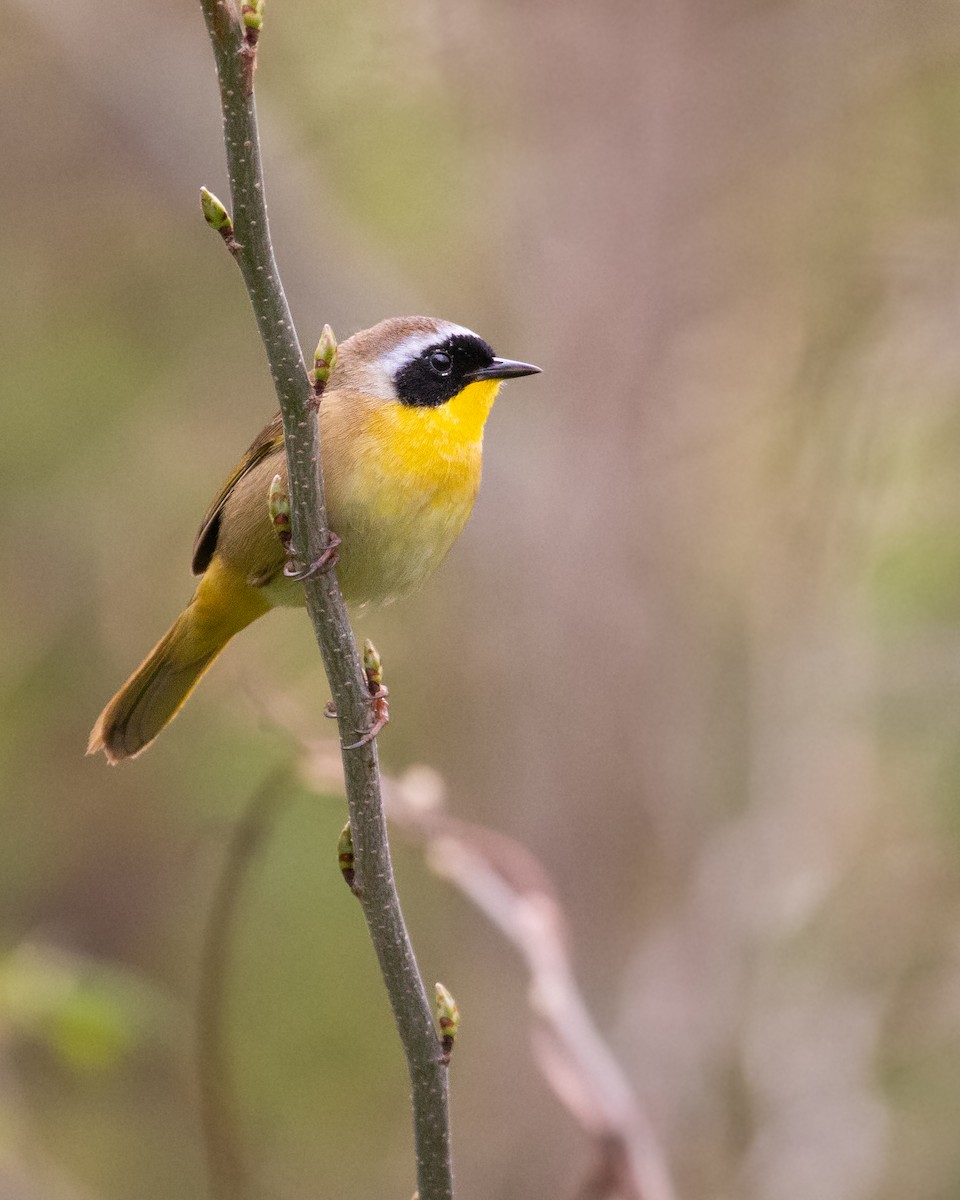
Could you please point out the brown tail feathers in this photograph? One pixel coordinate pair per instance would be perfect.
(155, 692)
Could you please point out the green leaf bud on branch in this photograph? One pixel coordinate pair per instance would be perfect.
(379, 706)
(448, 1018)
(251, 17)
(251, 13)
(346, 859)
(216, 216)
(324, 358)
(279, 504)
(372, 666)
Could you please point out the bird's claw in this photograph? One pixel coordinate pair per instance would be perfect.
(377, 693)
(326, 562)
(380, 711)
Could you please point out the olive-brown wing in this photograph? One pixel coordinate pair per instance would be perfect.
(269, 440)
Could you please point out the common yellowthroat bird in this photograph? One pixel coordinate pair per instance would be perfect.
(401, 435)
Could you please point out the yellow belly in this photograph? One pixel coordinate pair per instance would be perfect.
(410, 494)
(401, 483)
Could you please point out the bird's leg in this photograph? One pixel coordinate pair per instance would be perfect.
(379, 708)
(380, 711)
(278, 503)
(279, 506)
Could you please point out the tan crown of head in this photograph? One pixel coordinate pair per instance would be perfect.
(370, 359)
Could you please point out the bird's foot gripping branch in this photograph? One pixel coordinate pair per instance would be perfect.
(278, 506)
(324, 359)
(379, 708)
(326, 562)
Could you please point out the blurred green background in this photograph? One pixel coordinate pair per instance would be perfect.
(698, 648)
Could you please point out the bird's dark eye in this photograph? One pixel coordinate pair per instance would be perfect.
(441, 362)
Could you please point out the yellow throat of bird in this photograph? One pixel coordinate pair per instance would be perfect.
(441, 446)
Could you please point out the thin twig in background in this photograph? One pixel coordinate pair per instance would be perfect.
(234, 47)
(227, 1173)
(511, 888)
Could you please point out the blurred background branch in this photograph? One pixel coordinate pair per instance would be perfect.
(226, 1162)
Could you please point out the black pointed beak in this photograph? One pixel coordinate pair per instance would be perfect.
(503, 368)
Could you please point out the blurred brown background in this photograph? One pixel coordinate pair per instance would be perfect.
(698, 649)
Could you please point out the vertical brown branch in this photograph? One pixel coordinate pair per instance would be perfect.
(377, 891)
